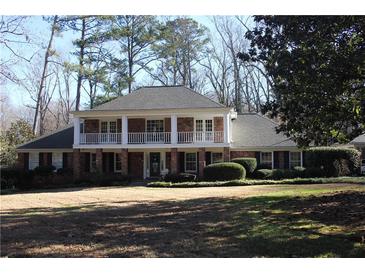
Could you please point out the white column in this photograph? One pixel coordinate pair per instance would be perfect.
(226, 128)
(124, 130)
(174, 129)
(76, 130)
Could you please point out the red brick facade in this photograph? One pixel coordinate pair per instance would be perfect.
(76, 163)
(218, 123)
(99, 160)
(136, 125)
(174, 161)
(201, 161)
(167, 124)
(239, 154)
(124, 161)
(185, 124)
(226, 156)
(91, 126)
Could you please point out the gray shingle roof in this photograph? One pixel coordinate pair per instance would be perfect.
(63, 138)
(160, 97)
(359, 140)
(255, 130)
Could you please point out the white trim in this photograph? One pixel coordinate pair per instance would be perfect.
(152, 146)
(124, 130)
(173, 129)
(196, 162)
(77, 130)
(144, 112)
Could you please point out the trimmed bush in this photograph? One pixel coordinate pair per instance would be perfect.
(334, 161)
(179, 178)
(263, 174)
(64, 171)
(224, 171)
(249, 164)
(44, 170)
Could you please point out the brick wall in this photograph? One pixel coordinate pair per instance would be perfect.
(23, 161)
(91, 126)
(226, 154)
(136, 125)
(174, 161)
(185, 124)
(201, 161)
(124, 161)
(119, 125)
(167, 125)
(218, 123)
(239, 154)
(76, 163)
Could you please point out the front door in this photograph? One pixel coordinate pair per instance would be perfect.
(154, 164)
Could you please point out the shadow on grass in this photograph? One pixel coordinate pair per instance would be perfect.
(211, 227)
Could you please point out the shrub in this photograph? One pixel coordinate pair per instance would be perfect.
(249, 164)
(44, 170)
(334, 161)
(179, 178)
(224, 171)
(64, 171)
(263, 174)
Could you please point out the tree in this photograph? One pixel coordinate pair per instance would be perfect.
(12, 34)
(181, 46)
(92, 32)
(135, 35)
(19, 132)
(41, 104)
(317, 66)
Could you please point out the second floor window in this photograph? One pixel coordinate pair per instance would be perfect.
(108, 127)
(204, 125)
(154, 125)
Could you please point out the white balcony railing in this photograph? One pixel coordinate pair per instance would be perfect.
(100, 138)
(153, 137)
(149, 137)
(200, 137)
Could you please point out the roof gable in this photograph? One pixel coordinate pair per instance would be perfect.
(160, 97)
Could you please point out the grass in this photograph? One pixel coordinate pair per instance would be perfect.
(253, 221)
(261, 182)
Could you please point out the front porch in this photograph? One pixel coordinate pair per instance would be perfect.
(143, 164)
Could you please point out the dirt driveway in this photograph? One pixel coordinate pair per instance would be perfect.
(133, 221)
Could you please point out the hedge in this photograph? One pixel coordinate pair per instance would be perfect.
(249, 164)
(262, 182)
(334, 161)
(224, 171)
(179, 178)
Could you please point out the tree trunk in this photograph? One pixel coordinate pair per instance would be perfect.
(41, 85)
(81, 65)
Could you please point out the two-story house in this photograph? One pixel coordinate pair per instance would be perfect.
(159, 130)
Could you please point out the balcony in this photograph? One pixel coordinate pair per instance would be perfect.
(152, 138)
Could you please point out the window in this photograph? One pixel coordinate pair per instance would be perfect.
(92, 162)
(204, 125)
(217, 157)
(266, 159)
(198, 125)
(208, 125)
(108, 126)
(104, 127)
(154, 125)
(82, 127)
(112, 127)
(117, 162)
(190, 162)
(295, 159)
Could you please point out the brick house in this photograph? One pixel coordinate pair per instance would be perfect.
(159, 130)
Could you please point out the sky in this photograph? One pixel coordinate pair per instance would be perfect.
(40, 31)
